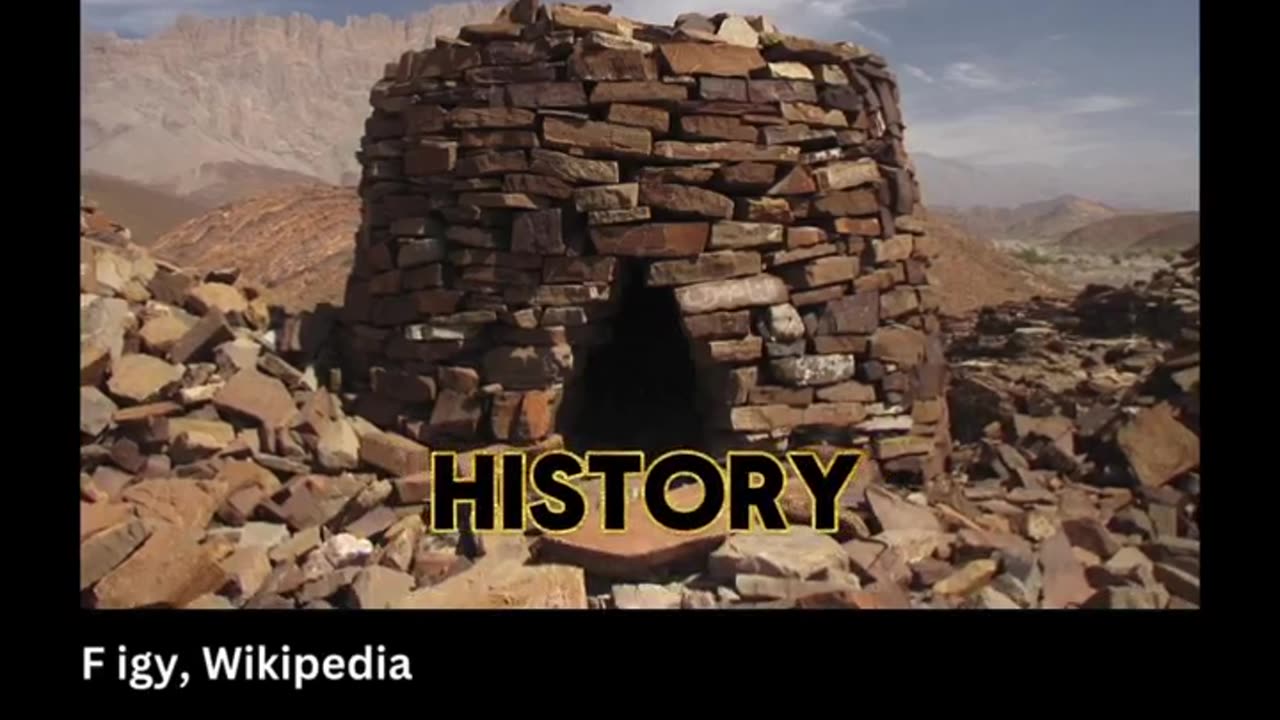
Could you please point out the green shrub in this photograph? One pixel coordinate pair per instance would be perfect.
(1032, 256)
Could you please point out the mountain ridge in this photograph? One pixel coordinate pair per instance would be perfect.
(284, 92)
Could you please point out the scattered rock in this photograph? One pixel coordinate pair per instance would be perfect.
(647, 597)
(800, 553)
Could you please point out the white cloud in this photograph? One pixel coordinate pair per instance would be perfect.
(1009, 134)
(974, 76)
(1184, 112)
(918, 73)
(1090, 104)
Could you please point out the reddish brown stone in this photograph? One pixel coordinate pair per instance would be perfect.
(847, 174)
(186, 503)
(858, 313)
(706, 267)
(621, 196)
(754, 291)
(781, 91)
(786, 257)
(512, 53)
(765, 210)
(821, 295)
(570, 294)
(499, 138)
(525, 416)
(434, 302)
(1065, 583)
(108, 545)
(1157, 446)
(637, 92)
(491, 117)
(799, 237)
(527, 368)
(210, 331)
(573, 169)
(865, 226)
(747, 176)
(761, 418)
(578, 18)
(680, 175)
(777, 395)
(492, 163)
(579, 269)
(717, 127)
(394, 454)
(424, 119)
(736, 351)
(506, 74)
(702, 59)
(461, 379)
(601, 137)
(546, 95)
(538, 233)
(170, 569)
(261, 397)
(537, 185)
(823, 271)
(652, 240)
(645, 546)
(752, 113)
(801, 135)
(98, 516)
(724, 152)
(612, 65)
(848, 202)
(813, 115)
(686, 200)
(717, 324)
(455, 414)
(430, 158)
(654, 119)
(717, 88)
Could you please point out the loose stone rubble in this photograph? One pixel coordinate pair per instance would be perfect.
(233, 478)
(225, 465)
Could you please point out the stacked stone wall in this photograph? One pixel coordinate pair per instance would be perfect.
(512, 177)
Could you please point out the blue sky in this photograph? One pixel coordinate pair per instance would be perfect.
(1103, 91)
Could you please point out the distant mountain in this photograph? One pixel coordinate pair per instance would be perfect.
(947, 182)
(1040, 222)
(191, 107)
(147, 212)
(1150, 233)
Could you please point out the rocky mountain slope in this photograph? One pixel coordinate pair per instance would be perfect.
(296, 241)
(288, 93)
(147, 212)
(1043, 221)
(1152, 233)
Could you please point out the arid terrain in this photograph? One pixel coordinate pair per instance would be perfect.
(295, 240)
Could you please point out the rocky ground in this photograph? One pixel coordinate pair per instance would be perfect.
(221, 467)
(1078, 270)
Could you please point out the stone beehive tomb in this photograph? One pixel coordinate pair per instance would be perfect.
(585, 231)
